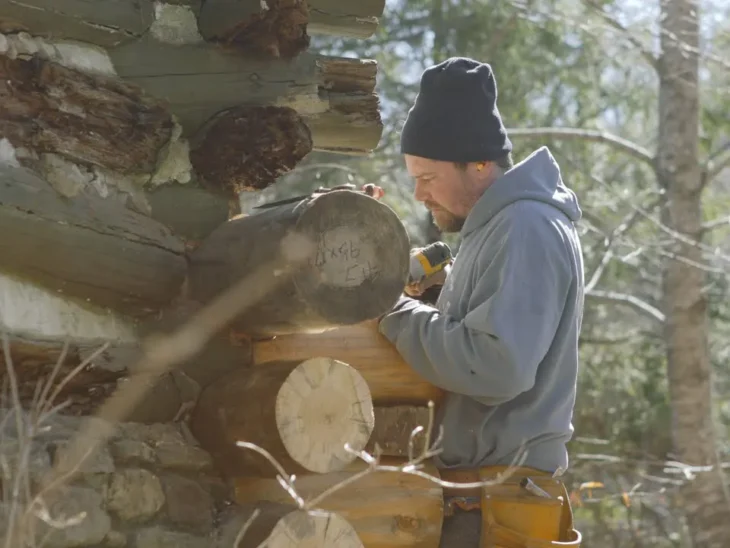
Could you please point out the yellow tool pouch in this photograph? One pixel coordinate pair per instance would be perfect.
(514, 517)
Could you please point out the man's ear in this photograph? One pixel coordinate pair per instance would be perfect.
(484, 170)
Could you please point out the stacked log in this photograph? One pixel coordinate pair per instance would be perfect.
(385, 509)
(301, 413)
(127, 131)
(355, 271)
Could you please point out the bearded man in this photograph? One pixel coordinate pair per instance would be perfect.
(502, 340)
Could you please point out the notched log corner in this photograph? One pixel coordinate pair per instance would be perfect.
(247, 148)
(90, 119)
(277, 28)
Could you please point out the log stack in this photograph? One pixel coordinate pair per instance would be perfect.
(127, 131)
(385, 509)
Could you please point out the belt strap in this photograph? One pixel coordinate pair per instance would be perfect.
(478, 475)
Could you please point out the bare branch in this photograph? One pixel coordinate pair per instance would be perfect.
(632, 301)
(603, 137)
(716, 223)
(716, 163)
(648, 56)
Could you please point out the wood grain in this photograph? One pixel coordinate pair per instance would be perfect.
(355, 270)
(107, 23)
(391, 380)
(89, 119)
(86, 247)
(302, 413)
(200, 80)
(386, 509)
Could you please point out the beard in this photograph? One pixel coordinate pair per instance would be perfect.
(444, 220)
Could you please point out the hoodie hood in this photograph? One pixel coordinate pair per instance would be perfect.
(538, 178)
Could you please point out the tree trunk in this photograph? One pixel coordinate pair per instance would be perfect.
(386, 509)
(302, 413)
(356, 270)
(391, 380)
(690, 371)
(285, 526)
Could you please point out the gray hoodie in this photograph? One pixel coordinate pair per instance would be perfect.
(503, 338)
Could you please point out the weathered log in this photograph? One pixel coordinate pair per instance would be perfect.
(386, 509)
(107, 23)
(248, 148)
(286, 526)
(281, 27)
(87, 118)
(302, 413)
(355, 19)
(391, 380)
(335, 96)
(356, 271)
(393, 428)
(86, 247)
(277, 27)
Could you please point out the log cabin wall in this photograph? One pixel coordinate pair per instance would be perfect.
(127, 130)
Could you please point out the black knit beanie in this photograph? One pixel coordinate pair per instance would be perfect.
(455, 117)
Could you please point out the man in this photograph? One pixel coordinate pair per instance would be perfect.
(502, 340)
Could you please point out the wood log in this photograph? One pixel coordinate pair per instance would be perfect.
(393, 428)
(248, 148)
(302, 413)
(386, 509)
(285, 526)
(356, 271)
(281, 27)
(87, 248)
(335, 96)
(357, 19)
(107, 23)
(87, 118)
(391, 380)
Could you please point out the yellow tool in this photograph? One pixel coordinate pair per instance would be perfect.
(429, 266)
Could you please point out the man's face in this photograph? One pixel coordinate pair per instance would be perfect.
(448, 191)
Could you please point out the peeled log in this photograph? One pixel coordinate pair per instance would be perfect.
(89, 119)
(386, 509)
(302, 413)
(391, 380)
(356, 272)
(285, 526)
(86, 247)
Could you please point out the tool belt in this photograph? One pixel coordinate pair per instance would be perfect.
(528, 509)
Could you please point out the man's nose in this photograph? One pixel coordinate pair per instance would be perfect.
(419, 193)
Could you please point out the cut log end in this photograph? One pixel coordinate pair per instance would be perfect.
(279, 526)
(277, 28)
(247, 148)
(302, 413)
(357, 271)
(322, 405)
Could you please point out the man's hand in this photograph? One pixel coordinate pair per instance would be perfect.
(416, 289)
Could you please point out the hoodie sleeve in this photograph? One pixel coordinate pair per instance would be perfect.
(514, 310)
